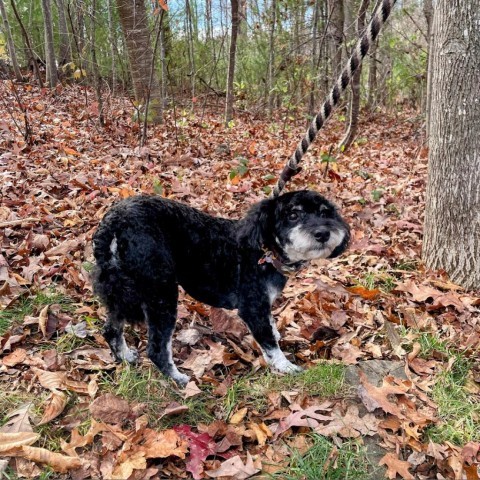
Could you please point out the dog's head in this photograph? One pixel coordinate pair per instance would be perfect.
(299, 225)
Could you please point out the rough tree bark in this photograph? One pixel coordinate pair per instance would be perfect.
(52, 73)
(231, 62)
(336, 27)
(32, 58)
(355, 85)
(113, 41)
(271, 57)
(452, 217)
(428, 12)
(64, 51)
(133, 17)
(313, 86)
(11, 46)
(95, 69)
(191, 47)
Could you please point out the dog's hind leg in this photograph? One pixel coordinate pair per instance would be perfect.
(256, 314)
(161, 314)
(113, 334)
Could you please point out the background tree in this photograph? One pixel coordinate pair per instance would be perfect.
(355, 85)
(134, 20)
(50, 61)
(452, 216)
(11, 45)
(231, 61)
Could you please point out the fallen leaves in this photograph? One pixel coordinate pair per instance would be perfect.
(110, 408)
(346, 310)
(395, 467)
(235, 468)
(55, 405)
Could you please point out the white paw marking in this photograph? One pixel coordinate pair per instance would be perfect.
(277, 360)
(130, 355)
(180, 379)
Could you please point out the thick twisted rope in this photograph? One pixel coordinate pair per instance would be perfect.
(361, 50)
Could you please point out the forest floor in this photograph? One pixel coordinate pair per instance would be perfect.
(391, 349)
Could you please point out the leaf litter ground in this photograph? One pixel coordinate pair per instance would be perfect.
(69, 411)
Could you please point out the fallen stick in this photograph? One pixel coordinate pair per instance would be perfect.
(14, 223)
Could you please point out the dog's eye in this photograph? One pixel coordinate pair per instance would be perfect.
(324, 213)
(293, 216)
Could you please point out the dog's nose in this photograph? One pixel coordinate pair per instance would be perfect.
(322, 235)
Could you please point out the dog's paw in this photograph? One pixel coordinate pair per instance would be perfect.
(288, 367)
(277, 360)
(129, 355)
(181, 379)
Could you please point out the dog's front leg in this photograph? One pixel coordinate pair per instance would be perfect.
(256, 314)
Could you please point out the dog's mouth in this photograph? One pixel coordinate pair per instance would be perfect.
(303, 246)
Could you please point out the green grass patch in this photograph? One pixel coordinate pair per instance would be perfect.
(381, 280)
(46, 474)
(324, 380)
(325, 461)
(31, 305)
(146, 385)
(458, 408)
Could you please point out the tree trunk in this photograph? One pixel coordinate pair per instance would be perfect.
(313, 86)
(133, 17)
(271, 57)
(336, 28)
(428, 12)
(26, 39)
(191, 47)
(11, 46)
(452, 216)
(113, 40)
(52, 74)
(231, 63)
(64, 51)
(355, 98)
(95, 69)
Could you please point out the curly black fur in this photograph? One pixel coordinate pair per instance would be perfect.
(146, 246)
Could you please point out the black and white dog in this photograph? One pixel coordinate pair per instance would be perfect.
(146, 246)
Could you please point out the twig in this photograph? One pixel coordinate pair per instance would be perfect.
(14, 223)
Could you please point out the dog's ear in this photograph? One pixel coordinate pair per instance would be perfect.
(255, 226)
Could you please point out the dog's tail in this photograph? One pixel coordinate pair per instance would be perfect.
(115, 289)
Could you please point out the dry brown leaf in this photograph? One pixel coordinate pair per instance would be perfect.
(14, 358)
(395, 467)
(235, 468)
(79, 441)
(10, 441)
(365, 292)
(53, 381)
(377, 397)
(63, 248)
(42, 320)
(238, 416)
(137, 461)
(55, 405)
(58, 462)
(110, 408)
(191, 390)
(18, 420)
(262, 432)
(308, 417)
